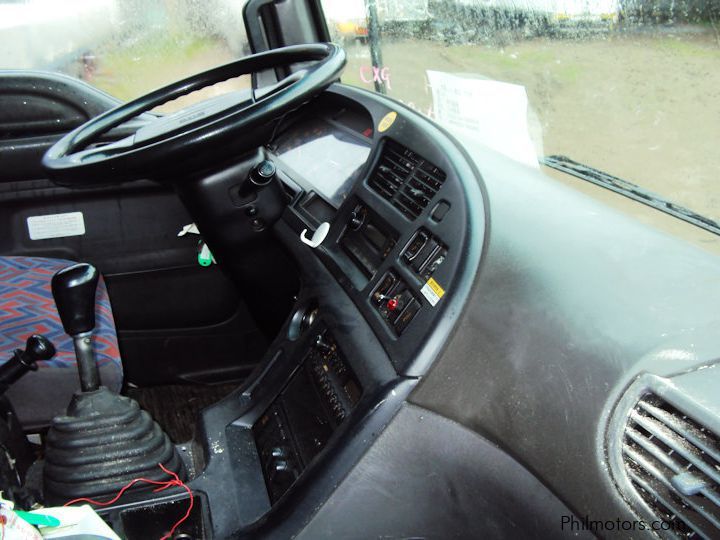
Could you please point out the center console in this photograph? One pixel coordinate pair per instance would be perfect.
(321, 393)
(381, 289)
(392, 249)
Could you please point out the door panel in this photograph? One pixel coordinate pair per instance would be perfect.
(171, 314)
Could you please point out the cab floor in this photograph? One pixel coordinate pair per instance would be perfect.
(177, 407)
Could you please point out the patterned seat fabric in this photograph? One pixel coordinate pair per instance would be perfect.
(27, 307)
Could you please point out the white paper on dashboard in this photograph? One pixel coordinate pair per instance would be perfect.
(492, 112)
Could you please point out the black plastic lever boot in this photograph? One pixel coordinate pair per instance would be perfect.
(74, 291)
(103, 442)
(36, 348)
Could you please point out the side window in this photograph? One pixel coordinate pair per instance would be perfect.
(125, 47)
(628, 87)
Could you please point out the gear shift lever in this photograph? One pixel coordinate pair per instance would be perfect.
(103, 439)
(74, 291)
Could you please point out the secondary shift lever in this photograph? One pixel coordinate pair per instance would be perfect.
(74, 291)
(36, 348)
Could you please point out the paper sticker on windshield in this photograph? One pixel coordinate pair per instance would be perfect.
(56, 225)
(432, 291)
(387, 121)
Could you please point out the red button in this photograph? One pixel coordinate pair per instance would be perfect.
(392, 304)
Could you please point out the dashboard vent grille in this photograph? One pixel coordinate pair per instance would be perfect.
(406, 179)
(674, 464)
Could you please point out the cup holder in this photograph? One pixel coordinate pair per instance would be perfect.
(302, 319)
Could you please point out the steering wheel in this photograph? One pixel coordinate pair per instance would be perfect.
(218, 127)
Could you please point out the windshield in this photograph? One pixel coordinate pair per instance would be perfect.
(125, 47)
(629, 87)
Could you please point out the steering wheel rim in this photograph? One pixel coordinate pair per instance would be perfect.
(211, 128)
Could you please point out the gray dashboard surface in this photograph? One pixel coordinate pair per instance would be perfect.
(572, 301)
(429, 477)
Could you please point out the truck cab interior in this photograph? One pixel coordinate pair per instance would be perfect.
(322, 314)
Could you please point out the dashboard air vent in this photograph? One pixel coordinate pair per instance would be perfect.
(674, 464)
(406, 179)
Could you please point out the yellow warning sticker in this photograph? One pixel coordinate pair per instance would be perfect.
(387, 121)
(432, 291)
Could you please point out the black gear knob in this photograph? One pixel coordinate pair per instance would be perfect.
(74, 291)
(37, 347)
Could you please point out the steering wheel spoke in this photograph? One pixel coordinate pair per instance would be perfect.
(102, 151)
(282, 84)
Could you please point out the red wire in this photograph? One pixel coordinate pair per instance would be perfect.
(163, 486)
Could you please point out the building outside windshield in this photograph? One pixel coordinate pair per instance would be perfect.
(629, 88)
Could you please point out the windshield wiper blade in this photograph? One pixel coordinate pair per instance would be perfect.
(633, 191)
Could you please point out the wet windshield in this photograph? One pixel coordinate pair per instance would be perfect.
(628, 87)
(124, 47)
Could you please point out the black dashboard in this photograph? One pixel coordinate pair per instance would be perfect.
(405, 220)
(398, 239)
(400, 222)
(460, 341)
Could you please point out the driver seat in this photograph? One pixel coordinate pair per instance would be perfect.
(27, 307)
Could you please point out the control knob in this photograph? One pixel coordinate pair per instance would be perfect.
(323, 345)
(263, 173)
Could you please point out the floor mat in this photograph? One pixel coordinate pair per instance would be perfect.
(177, 407)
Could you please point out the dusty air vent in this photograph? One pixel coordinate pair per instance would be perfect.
(673, 462)
(406, 179)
